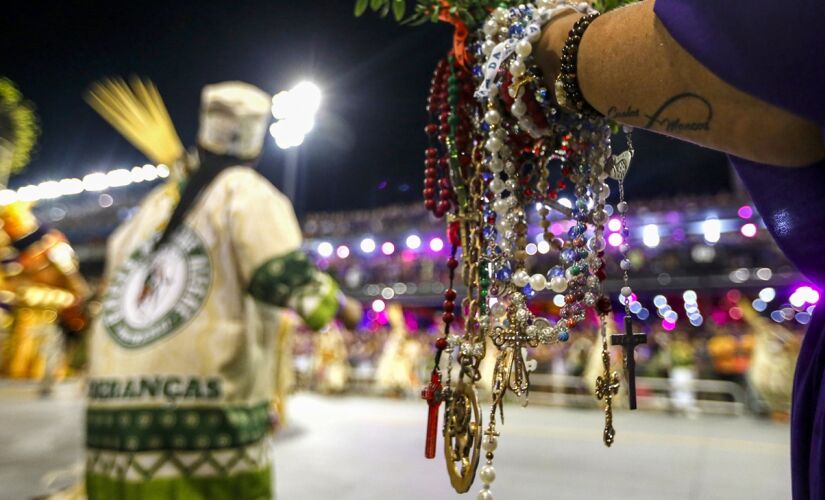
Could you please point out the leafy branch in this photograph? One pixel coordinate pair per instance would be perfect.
(470, 12)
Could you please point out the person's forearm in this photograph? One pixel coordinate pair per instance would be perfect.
(630, 69)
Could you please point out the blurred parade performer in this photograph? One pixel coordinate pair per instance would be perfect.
(330, 362)
(39, 281)
(181, 366)
(283, 322)
(775, 352)
(397, 370)
(682, 374)
(39, 278)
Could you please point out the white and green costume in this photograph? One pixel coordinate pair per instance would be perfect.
(181, 366)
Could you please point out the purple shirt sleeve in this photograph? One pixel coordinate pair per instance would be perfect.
(771, 49)
(775, 50)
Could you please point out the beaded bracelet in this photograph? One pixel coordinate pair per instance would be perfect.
(568, 93)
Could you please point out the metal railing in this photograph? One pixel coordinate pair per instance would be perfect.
(710, 396)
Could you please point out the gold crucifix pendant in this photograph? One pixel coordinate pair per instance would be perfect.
(607, 386)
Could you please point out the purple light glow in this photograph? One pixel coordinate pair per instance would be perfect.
(804, 295)
(378, 306)
(749, 230)
(436, 244)
(745, 212)
(615, 224)
(342, 252)
(615, 239)
(719, 317)
(407, 256)
(668, 326)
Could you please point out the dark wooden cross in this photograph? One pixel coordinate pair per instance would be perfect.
(629, 341)
(433, 394)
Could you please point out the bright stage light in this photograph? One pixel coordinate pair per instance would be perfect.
(659, 301)
(712, 229)
(543, 247)
(98, 181)
(105, 200)
(286, 136)
(413, 242)
(325, 249)
(95, 182)
(749, 230)
(7, 197)
(342, 252)
(137, 174)
(309, 95)
(615, 239)
(804, 295)
(295, 111)
(650, 236)
(119, 177)
(49, 190)
(797, 300)
(767, 294)
(28, 193)
(387, 248)
(281, 105)
(690, 297)
(70, 186)
(745, 212)
(615, 224)
(150, 173)
(367, 245)
(378, 305)
(436, 244)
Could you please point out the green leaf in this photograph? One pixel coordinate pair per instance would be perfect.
(434, 15)
(376, 4)
(385, 9)
(398, 9)
(361, 7)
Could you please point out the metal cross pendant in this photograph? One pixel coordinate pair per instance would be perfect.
(629, 341)
(433, 394)
(607, 386)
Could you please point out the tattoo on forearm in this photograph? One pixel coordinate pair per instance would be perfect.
(686, 112)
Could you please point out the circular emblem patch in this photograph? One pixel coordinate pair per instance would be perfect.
(153, 294)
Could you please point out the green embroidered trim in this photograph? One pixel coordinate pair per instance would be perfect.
(243, 486)
(317, 303)
(157, 428)
(277, 279)
(292, 281)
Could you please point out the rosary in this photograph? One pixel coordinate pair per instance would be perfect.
(503, 144)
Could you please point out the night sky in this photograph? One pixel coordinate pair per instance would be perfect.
(367, 148)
